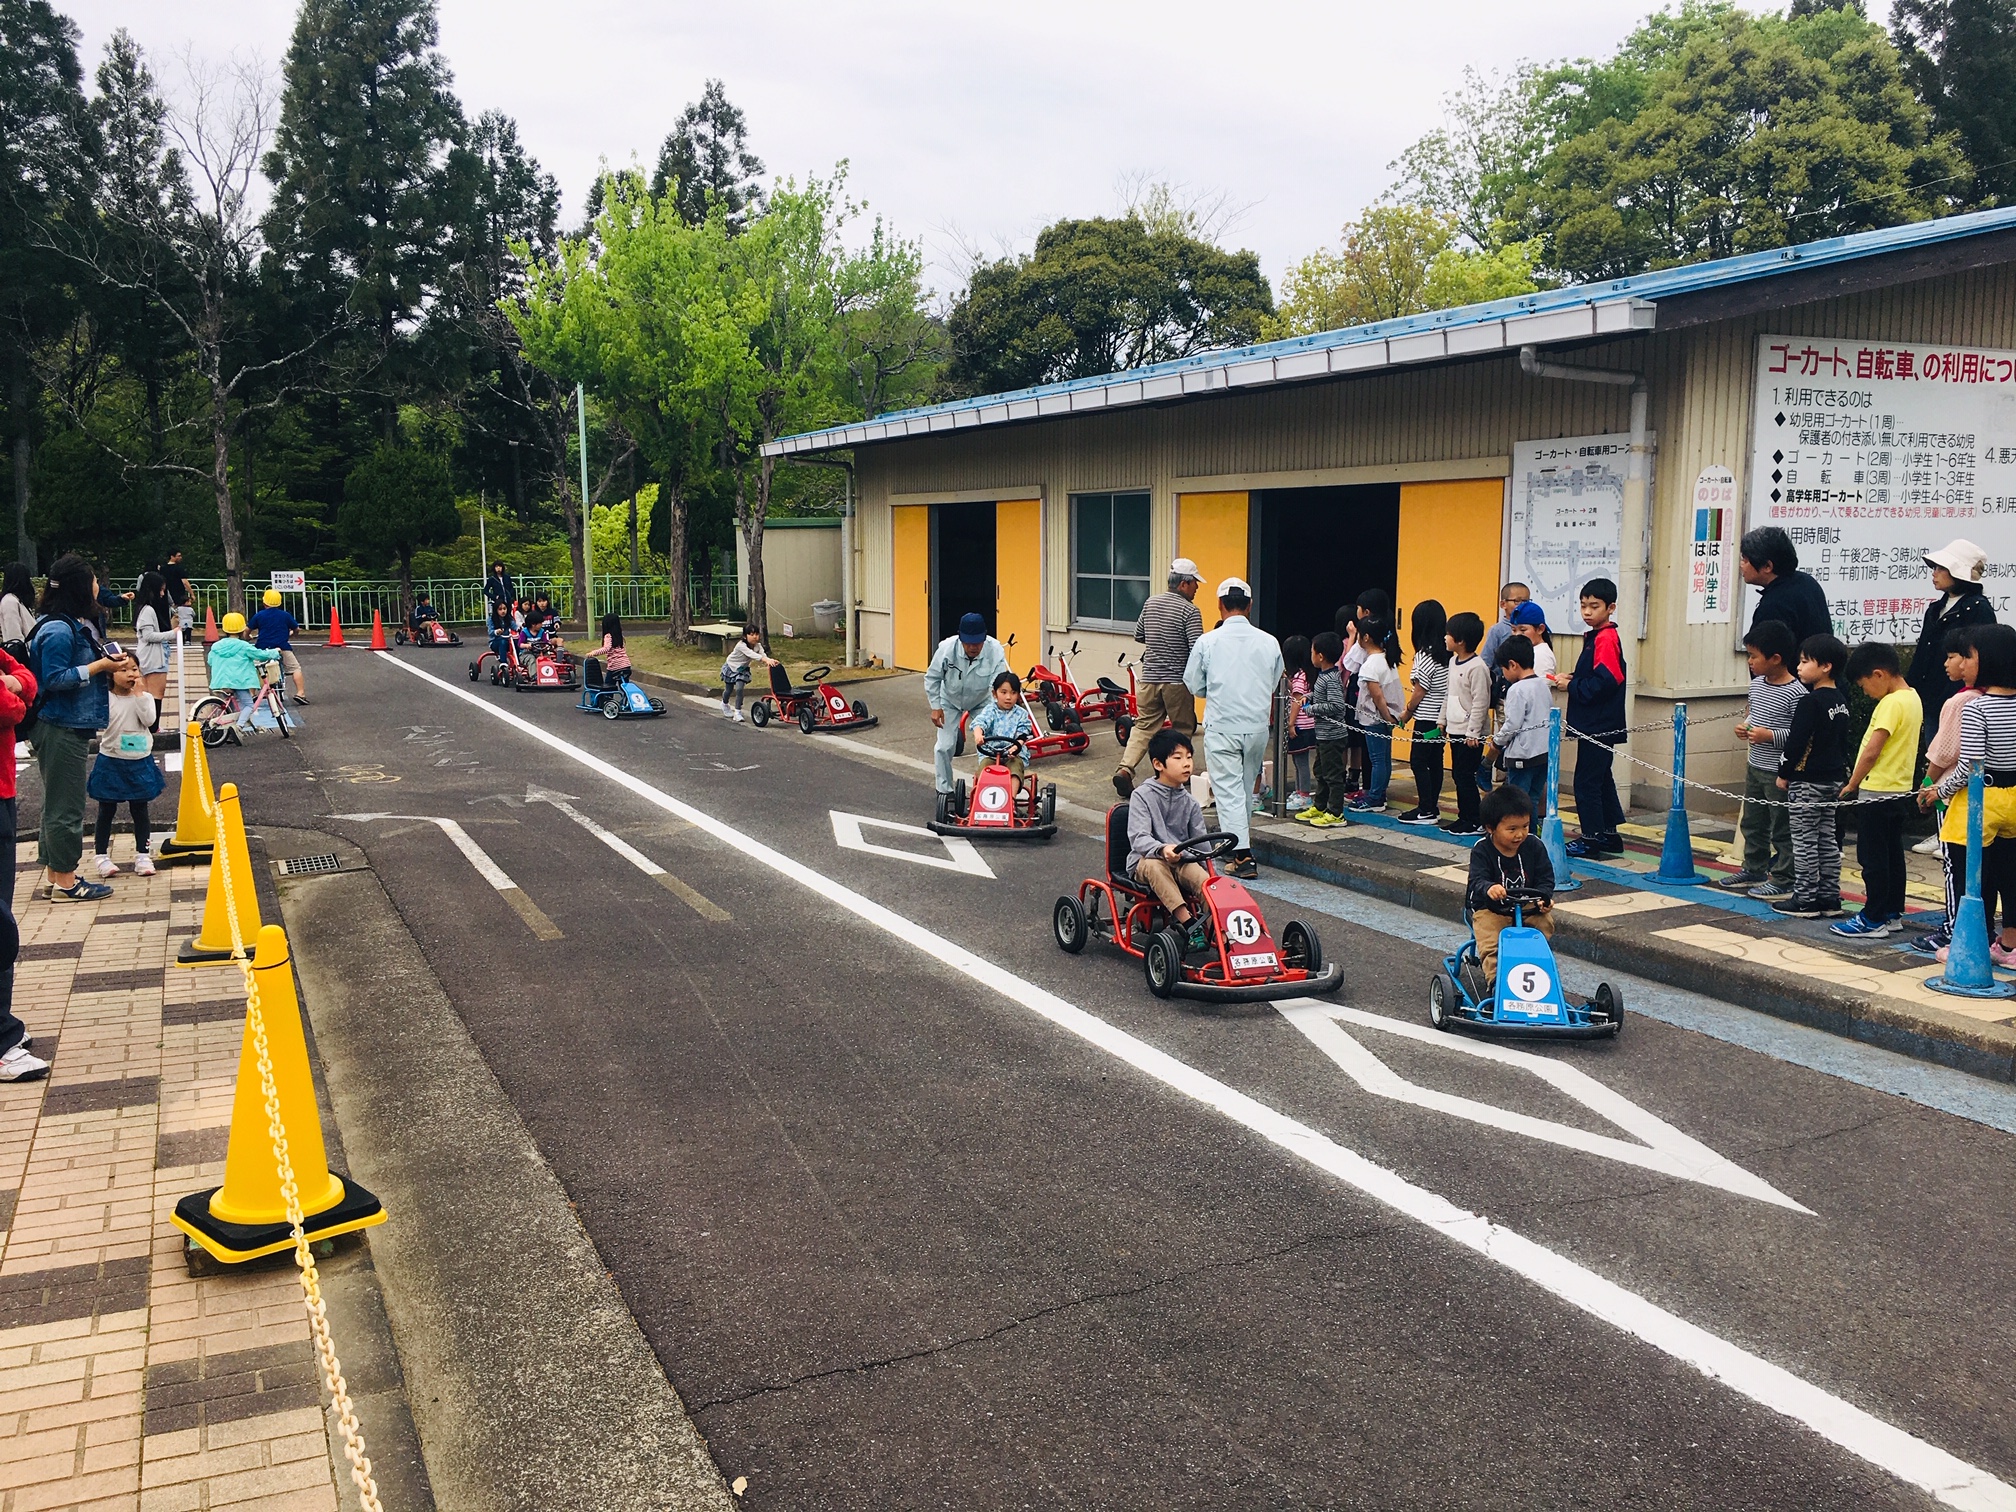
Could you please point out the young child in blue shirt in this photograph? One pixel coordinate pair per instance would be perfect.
(1006, 718)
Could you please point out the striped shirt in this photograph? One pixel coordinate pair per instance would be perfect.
(1771, 706)
(1987, 740)
(1432, 677)
(1168, 628)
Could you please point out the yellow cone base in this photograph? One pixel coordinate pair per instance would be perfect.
(235, 1243)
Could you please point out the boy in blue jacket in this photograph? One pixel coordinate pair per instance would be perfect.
(1596, 710)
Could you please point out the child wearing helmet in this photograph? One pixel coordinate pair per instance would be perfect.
(273, 629)
(234, 668)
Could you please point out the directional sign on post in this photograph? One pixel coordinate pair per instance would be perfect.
(290, 582)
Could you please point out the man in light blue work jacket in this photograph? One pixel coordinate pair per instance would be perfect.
(959, 680)
(1235, 669)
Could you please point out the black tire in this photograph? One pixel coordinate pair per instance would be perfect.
(1055, 715)
(1442, 1001)
(1609, 1002)
(1123, 728)
(959, 799)
(475, 669)
(860, 709)
(1162, 962)
(611, 705)
(453, 639)
(278, 709)
(759, 713)
(657, 706)
(1046, 806)
(941, 811)
(808, 717)
(1073, 725)
(206, 710)
(1300, 949)
(398, 637)
(1067, 922)
(959, 745)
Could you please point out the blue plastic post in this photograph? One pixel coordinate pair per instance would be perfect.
(1969, 972)
(1550, 827)
(1676, 855)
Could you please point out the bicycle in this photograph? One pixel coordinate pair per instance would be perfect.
(221, 720)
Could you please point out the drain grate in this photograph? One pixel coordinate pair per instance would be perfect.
(302, 866)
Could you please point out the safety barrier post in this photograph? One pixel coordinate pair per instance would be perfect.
(1676, 855)
(1550, 827)
(1969, 971)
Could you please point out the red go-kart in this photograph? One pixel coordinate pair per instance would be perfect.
(430, 633)
(999, 807)
(527, 668)
(1066, 709)
(817, 705)
(1244, 962)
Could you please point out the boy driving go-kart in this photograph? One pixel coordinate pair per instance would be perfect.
(1162, 818)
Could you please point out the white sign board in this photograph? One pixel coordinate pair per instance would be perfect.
(1712, 581)
(290, 582)
(1567, 519)
(1870, 455)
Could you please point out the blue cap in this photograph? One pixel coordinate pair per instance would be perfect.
(972, 629)
(1530, 613)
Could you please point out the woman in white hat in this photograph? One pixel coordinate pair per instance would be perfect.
(1957, 569)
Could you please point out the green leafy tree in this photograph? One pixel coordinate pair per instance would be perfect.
(1961, 56)
(398, 500)
(1396, 260)
(1098, 296)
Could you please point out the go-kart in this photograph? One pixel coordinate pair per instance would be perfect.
(999, 807)
(816, 704)
(1243, 962)
(614, 696)
(542, 663)
(1065, 709)
(430, 633)
(1527, 999)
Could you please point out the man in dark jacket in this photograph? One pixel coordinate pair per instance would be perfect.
(1957, 570)
(1769, 560)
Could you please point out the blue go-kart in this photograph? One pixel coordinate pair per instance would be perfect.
(614, 696)
(1527, 1000)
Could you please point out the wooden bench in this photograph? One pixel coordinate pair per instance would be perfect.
(717, 636)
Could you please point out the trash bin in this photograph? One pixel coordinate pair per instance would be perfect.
(826, 616)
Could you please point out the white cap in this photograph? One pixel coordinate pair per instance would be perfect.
(1183, 567)
(1230, 583)
(1962, 558)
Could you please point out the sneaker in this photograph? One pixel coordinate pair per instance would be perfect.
(1353, 796)
(1260, 804)
(1832, 909)
(1931, 944)
(727, 712)
(1942, 952)
(1771, 892)
(143, 865)
(301, 699)
(1298, 802)
(80, 891)
(1196, 937)
(1364, 805)
(1862, 927)
(1796, 908)
(1929, 846)
(105, 866)
(1999, 955)
(1123, 783)
(1420, 816)
(1463, 829)
(1241, 865)
(18, 1065)
(1584, 848)
(737, 713)
(1743, 881)
(1312, 815)
(1327, 821)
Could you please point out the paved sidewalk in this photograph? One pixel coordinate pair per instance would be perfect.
(125, 1383)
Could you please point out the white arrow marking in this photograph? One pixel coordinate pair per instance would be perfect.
(1665, 1149)
(693, 900)
(960, 855)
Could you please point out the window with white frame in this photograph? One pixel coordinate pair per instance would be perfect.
(1110, 580)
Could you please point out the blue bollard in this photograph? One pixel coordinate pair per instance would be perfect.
(1969, 972)
(1550, 827)
(1676, 854)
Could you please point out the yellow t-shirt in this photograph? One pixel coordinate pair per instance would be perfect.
(1900, 713)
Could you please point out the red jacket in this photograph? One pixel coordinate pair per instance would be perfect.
(13, 708)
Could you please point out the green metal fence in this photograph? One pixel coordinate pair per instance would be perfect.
(460, 601)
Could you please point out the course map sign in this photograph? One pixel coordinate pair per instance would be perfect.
(1871, 454)
(1567, 519)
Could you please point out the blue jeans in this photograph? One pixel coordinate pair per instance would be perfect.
(1532, 781)
(1379, 753)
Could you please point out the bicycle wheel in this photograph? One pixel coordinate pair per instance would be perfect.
(205, 716)
(278, 707)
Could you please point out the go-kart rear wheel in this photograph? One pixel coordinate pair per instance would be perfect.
(1300, 949)
(807, 717)
(1162, 961)
(860, 709)
(942, 810)
(959, 809)
(657, 706)
(611, 705)
(759, 713)
(1610, 1003)
(1046, 806)
(1067, 921)
(1054, 715)
(1442, 1001)
(398, 637)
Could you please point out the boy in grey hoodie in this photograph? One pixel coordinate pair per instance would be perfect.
(1333, 733)
(1161, 815)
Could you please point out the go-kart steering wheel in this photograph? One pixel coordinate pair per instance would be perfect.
(1208, 847)
(1002, 746)
(813, 674)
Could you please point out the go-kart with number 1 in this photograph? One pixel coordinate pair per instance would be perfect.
(999, 807)
(1241, 960)
(1527, 999)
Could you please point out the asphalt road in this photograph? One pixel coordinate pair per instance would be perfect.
(918, 1211)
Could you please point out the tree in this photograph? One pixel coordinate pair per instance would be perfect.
(1395, 260)
(1098, 296)
(706, 159)
(397, 501)
(1961, 57)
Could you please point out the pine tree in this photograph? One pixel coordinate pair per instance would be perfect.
(1960, 55)
(707, 156)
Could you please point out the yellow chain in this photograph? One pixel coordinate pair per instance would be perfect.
(290, 1192)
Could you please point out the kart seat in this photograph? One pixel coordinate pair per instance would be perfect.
(1107, 685)
(1117, 851)
(780, 685)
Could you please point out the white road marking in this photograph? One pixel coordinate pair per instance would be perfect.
(1911, 1459)
(692, 899)
(1665, 1148)
(513, 895)
(961, 855)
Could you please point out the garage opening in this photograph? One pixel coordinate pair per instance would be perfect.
(962, 566)
(1316, 549)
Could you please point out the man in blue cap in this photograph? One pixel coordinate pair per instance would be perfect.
(959, 680)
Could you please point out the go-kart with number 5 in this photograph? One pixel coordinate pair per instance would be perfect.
(1526, 999)
(1001, 805)
(1241, 960)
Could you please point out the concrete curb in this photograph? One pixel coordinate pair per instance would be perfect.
(1987, 1050)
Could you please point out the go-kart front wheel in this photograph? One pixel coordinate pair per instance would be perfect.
(860, 709)
(1300, 949)
(1067, 921)
(1046, 806)
(611, 705)
(759, 713)
(942, 809)
(1162, 961)
(1610, 1003)
(807, 717)
(1442, 1001)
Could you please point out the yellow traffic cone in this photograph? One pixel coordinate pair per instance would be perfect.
(212, 945)
(195, 809)
(247, 1216)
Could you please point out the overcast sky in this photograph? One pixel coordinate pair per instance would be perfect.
(971, 123)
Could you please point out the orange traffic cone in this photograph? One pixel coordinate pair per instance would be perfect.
(211, 634)
(378, 631)
(335, 627)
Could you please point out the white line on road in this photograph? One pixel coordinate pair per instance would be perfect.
(1911, 1459)
(692, 899)
(961, 855)
(1665, 1149)
(512, 894)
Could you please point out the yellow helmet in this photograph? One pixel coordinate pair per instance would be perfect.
(234, 623)
(272, 599)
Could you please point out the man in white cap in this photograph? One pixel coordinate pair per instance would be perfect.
(1235, 669)
(1168, 628)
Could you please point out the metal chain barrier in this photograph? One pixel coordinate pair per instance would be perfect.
(290, 1192)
